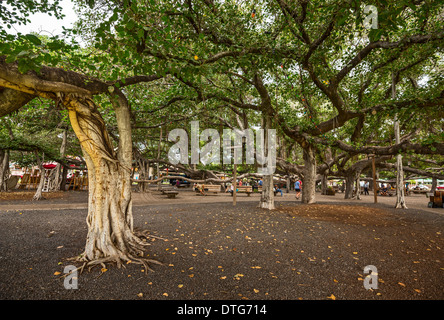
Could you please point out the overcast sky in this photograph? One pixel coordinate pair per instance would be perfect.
(48, 25)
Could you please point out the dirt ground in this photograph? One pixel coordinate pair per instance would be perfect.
(212, 250)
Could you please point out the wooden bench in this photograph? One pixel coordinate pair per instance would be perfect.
(171, 194)
(243, 189)
(166, 189)
(419, 191)
(211, 188)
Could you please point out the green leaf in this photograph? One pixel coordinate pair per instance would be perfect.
(54, 45)
(33, 39)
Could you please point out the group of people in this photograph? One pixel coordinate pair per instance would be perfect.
(297, 188)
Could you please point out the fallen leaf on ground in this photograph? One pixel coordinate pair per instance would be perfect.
(332, 297)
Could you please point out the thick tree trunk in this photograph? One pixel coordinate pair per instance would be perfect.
(349, 181)
(309, 176)
(111, 237)
(56, 174)
(143, 175)
(63, 182)
(400, 191)
(324, 184)
(267, 195)
(143, 170)
(434, 184)
(4, 169)
(358, 188)
(38, 194)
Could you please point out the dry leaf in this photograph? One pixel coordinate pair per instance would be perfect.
(401, 284)
(255, 290)
(57, 273)
(223, 278)
(165, 294)
(180, 285)
(104, 270)
(332, 297)
(140, 295)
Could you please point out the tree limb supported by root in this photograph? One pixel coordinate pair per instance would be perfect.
(111, 237)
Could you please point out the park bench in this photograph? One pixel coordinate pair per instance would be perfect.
(165, 189)
(171, 194)
(210, 188)
(419, 191)
(244, 189)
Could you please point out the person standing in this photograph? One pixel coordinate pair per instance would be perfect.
(366, 185)
(297, 188)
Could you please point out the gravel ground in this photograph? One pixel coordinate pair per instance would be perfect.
(217, 251)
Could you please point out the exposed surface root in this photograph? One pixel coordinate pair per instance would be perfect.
(120, 261)
(133, 254)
